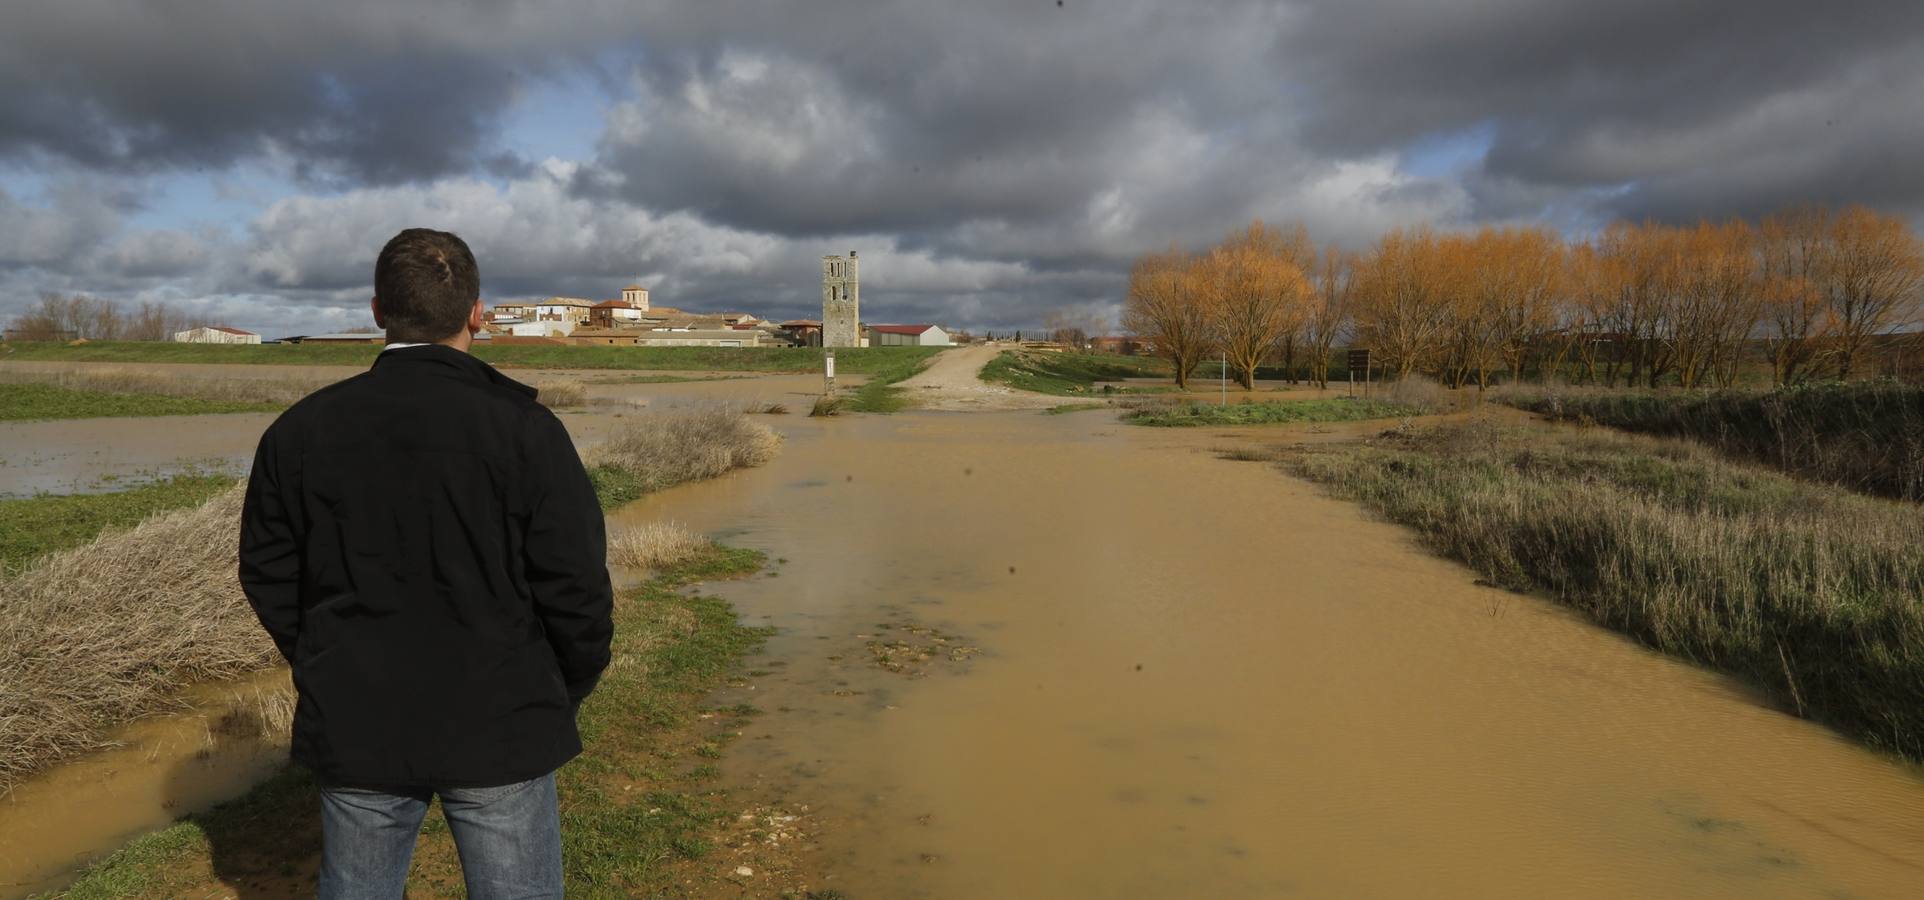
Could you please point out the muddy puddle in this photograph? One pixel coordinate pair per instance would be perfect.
(164, 768)
(1193, 677)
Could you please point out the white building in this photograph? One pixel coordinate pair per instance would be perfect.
(216, 334)
(563, 309)
(908, 336)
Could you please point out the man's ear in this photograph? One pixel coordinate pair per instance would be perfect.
(476, 316)
(374, 306)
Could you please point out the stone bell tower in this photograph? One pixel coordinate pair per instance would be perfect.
(841, 301)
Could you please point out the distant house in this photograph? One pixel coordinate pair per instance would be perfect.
(908, 336)
(1123, 345)
(573, 310)
(216, 334)
(356, 337)
(616, 313)
(804, 332)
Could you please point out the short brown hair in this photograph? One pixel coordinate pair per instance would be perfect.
(426, 282)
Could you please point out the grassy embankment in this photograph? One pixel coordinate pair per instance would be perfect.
(637, 799)
(20, 401)
(1074, 374)
(879, 394)
(32, 527)
(670, 649)
(1810, 592)
(1337, 409)
(1866, 436)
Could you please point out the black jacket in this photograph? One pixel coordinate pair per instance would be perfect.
(423, 545)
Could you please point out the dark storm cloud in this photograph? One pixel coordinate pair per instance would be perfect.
(1691, 108)
(353, 92)
(992, 160)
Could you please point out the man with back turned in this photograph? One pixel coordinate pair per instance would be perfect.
(423, 545)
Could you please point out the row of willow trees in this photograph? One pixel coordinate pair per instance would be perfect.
(1812, 291)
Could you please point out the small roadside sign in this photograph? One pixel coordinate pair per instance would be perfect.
(1359, 360)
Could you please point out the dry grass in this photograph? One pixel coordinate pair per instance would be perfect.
(1812, 592)
(826, 406)
(1867, 436)
(567, 392)
(96, 635)
(219, 388)
(661, 449)
(655, 545)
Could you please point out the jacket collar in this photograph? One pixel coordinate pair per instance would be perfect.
(451, 362)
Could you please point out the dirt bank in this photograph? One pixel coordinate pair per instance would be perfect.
(953, 382)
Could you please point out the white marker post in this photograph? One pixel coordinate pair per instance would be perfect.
(828, 374)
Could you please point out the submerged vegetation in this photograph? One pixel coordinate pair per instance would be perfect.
(1337, 409)
(1811, 592)
(658, 450)
(1867, 436)
(634, 802)
(1071, 374)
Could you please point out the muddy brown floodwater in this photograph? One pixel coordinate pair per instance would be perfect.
(1196, 678)
(1201, 678)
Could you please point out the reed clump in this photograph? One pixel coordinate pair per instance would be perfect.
(95, 635)
(562, 393)
(655, 545)
(656, 450)
(1866, 436)
(1814, 593)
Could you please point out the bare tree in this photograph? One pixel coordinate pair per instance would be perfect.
(1261, 296)
(1873, 268)
(1328, 316)
(1169, 304)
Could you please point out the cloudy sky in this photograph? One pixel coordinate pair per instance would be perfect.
(991, 160)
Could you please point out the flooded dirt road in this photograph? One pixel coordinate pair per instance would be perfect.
(1201, 678)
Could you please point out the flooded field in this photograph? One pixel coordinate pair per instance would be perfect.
(75, 455)
(1032, 655)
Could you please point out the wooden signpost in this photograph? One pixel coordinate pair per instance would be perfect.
(1359, 359)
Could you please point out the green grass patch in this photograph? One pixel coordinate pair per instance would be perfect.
(31, 401)
(854, 361)
(1336, 409)
(879, 394)
(31, 527)
(631, 804)
(1073, 374)
(1813, 593)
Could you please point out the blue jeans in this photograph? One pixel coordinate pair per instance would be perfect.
(509, 839)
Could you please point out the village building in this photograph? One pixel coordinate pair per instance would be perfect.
(563, 309)
(908, 336)
(804, 332)
(616, 313)
(216, 334)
